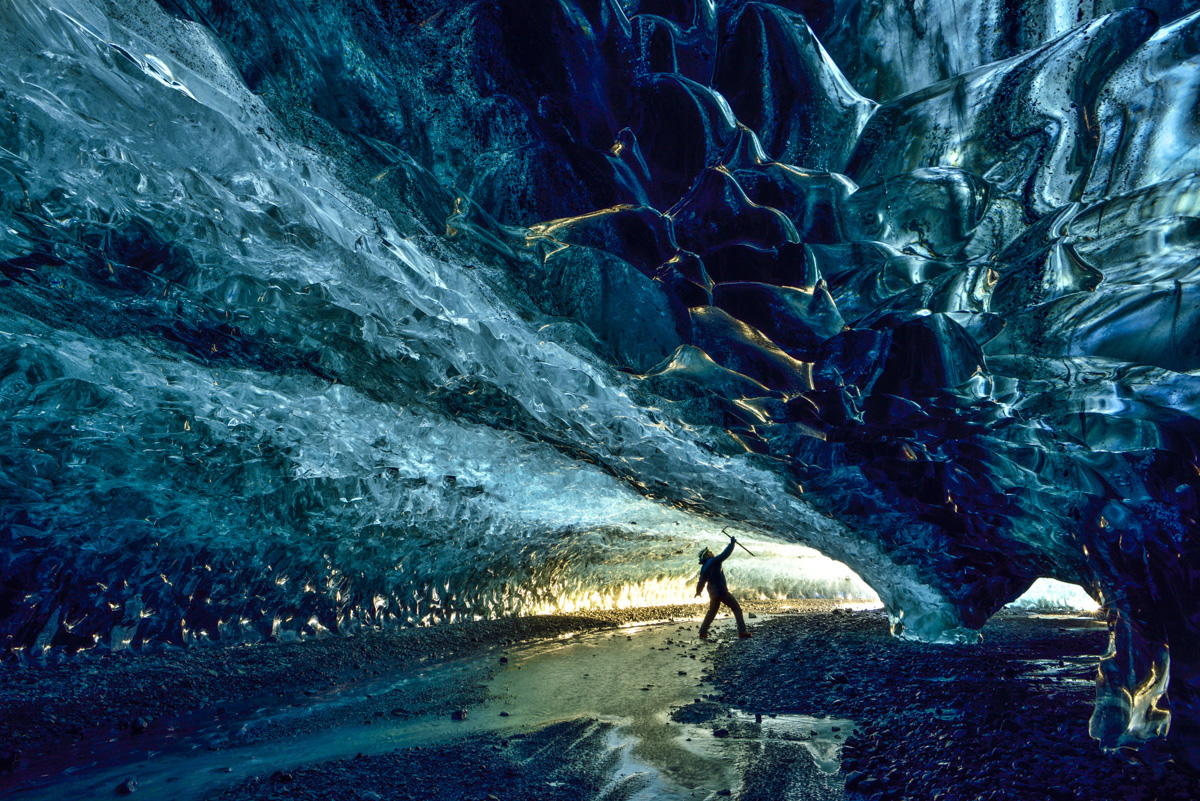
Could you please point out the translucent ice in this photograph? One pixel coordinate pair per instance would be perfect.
(323, 318)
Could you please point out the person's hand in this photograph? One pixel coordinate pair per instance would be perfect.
(697, 595)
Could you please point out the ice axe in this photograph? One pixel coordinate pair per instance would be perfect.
(743, 547)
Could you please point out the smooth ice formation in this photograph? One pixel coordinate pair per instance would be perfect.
(368, 314)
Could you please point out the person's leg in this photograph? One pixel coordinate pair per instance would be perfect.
(713, 605)
(732, 603)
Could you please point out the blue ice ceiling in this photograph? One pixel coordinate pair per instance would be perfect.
(371, 313)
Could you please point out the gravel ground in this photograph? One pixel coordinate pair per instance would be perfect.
(46, 706)
(1005, 719)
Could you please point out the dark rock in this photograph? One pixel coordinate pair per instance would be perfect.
(9, 759)
(869, 785)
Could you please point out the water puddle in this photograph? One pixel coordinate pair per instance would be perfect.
(631, 678)
(1079, 671)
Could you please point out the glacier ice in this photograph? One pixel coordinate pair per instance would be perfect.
(380, 314)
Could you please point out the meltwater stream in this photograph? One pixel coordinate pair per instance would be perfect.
(631, 677)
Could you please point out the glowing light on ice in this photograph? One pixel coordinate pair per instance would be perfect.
(777, 572)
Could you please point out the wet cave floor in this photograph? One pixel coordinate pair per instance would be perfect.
(821, 703)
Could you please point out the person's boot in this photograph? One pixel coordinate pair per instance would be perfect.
(704, 635)
(744, 634)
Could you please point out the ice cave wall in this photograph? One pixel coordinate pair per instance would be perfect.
(385, 312)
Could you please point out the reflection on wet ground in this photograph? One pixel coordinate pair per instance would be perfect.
(633, 678)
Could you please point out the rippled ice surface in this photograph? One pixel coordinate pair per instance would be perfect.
(353, 315)
(256, 407)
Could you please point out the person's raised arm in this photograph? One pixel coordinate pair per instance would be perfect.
(723, 555)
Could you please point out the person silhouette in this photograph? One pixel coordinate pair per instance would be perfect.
(712, 574)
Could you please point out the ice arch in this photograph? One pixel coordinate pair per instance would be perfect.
(388, 313)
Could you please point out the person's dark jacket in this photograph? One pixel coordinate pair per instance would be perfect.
(712, 574)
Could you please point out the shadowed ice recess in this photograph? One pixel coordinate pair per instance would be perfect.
(374, 314)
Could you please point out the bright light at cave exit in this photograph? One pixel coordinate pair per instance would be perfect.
(776, 571)
(780, 571)
(1050, 594)
(792, 572)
